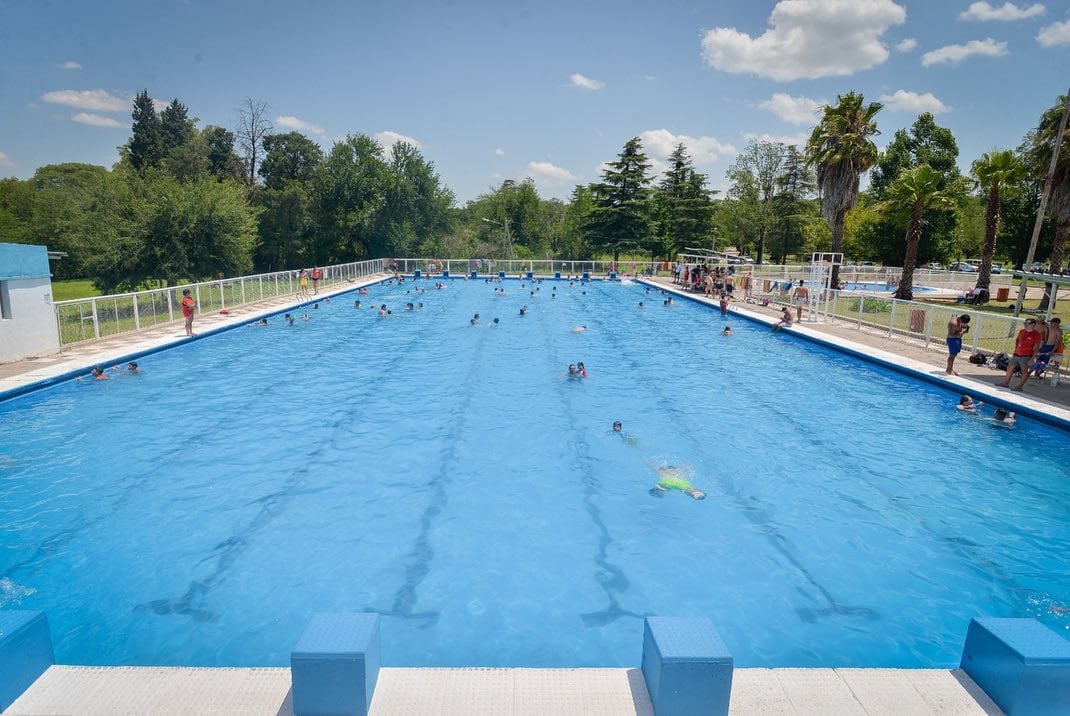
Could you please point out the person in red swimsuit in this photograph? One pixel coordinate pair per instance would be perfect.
(188, 307)
(1025, 353)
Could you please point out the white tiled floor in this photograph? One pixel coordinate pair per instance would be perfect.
(138, 691)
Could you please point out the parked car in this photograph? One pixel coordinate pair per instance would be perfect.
(934, 266)
(1037, 267)
(996, 268)
(866, 264)
(963, 267)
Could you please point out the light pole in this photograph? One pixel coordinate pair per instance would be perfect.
(507, 247)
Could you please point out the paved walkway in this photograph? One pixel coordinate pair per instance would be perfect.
(138, 691)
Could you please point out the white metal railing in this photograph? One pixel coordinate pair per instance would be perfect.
(910, 321)
(85, 319)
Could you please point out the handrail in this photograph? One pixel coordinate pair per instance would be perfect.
(86, 319)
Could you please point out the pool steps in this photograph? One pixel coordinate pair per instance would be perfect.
(1013, 666)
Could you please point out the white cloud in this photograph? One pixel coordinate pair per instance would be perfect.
(499, 152)
(5, 161)
(1055, 34)
(95, 120)
(957, 53)
(300, 125)
(905, 101)
(159, 105)
(69, 66)
(906, 45)
(982, 12)
(799, 140)
(546, 174)
(586, 83)
(808, 39)
(793, 110)
(658, 144)
(96, 100)
(387, 140)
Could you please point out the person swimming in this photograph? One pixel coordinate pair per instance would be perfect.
(579, 329)
(727, 331)
(581, 369)
(619, 430)
(967, 405)
(523, 310)
(1003, 417)
(670, 478)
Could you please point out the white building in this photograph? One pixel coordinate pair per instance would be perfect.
(27, 317)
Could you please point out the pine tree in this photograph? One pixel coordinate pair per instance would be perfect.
(176, 128)
(146, 141)
(686, 207)
(622, 207)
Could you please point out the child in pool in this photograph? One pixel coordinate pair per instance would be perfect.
(672, 478)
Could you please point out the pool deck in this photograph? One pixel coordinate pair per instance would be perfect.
(78, 690)
(111, 691)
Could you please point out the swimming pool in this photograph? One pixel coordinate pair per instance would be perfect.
(453, 479)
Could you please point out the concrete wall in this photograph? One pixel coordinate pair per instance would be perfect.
(26, 284)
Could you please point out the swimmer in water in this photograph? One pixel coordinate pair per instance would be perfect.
(523, 310)
(289, 318)
(262, 322)
(581, 369)
(131, 367)
(573, 372)
(1002, 417)
(304, 317)
(98, 374)
(727, 331)
(967, 404)
(671, 477)
(579, 329)
(619, 430)
(640, 304)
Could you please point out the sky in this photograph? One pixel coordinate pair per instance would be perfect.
(551, 90)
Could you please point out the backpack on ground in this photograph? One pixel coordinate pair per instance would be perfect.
(1001, 361)
(978, 358)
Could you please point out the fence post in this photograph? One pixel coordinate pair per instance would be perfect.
(928, 325)
(222, 296)
(891, 318)
(260, 280)
(241, 281)
(170, 306)
(861, 308)
(96, 320)
(977, 331)
(137, 318)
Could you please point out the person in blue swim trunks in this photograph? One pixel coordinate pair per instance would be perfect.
(956, 329)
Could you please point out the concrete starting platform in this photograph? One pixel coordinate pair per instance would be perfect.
(143, 691)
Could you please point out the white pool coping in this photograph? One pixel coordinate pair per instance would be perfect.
(137, 691)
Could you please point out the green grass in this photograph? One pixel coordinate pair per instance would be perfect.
(73, 288)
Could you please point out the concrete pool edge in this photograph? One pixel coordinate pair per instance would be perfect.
(1042, 411)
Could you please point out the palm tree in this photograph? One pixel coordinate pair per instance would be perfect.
(914, 191)
(994, 171)
(841, 150)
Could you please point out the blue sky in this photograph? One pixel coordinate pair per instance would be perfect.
(498, 90)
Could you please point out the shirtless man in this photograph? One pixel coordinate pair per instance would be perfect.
(785, 321)
(799, 296)
(956, 328)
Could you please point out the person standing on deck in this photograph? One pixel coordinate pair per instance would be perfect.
(956, 328)
(799, 297)
(188, 307)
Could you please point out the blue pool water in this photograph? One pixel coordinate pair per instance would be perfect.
(452, 479)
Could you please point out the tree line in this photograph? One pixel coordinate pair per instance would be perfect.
(185, 203)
